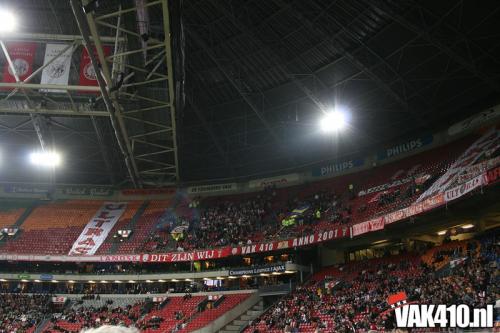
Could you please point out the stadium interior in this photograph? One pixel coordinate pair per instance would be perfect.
(247, 166)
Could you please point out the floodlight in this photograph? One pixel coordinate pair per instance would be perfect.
(8, 22)
(333, 121)
(45, 159)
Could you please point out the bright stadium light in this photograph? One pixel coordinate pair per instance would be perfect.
(45, 159)
(8, 22)
(333, 121)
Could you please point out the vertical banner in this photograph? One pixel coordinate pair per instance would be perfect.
(87, 72)
(98, 228)
(22, 55)
(58, 70)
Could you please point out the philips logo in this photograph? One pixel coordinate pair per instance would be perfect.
(404, 147)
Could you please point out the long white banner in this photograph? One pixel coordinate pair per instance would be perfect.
(57, 72)
(468, 158)
(98, 228)
(465, 188)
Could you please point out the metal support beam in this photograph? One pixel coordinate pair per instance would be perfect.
(54, 112)
(171, 83)
(37, 86)
(15, 36)
(39, 122)
(85, 25)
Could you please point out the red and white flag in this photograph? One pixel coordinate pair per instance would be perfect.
(87, 72)
(22, 55)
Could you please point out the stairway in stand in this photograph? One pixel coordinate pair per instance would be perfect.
(242, 321)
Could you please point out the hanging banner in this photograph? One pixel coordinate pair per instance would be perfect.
(87, 72)
(477, 169)
(22, 55)
(493, 175)
(98, 228)
(57, 72)
(467, 159)
(368, 226)
(465, 188)
(318, 237)
(187, 256)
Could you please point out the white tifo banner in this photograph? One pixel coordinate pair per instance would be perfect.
(98, 228)
(465, 188)
(468, 158)
(57, 72)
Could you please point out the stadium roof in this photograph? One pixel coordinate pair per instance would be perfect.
(248, 83)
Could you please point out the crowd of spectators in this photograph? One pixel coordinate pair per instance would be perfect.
(348, 298)
(228, 222)
(238, 221)
(358, 302)
(19, 313)
(77, 318)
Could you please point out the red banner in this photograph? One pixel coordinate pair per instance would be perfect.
(317, 237)
(22, 55)
(87, 72)
(368, 226)
(187, 256)
(415, 208)
(433, 202)
(493, 175)
(396, 216)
